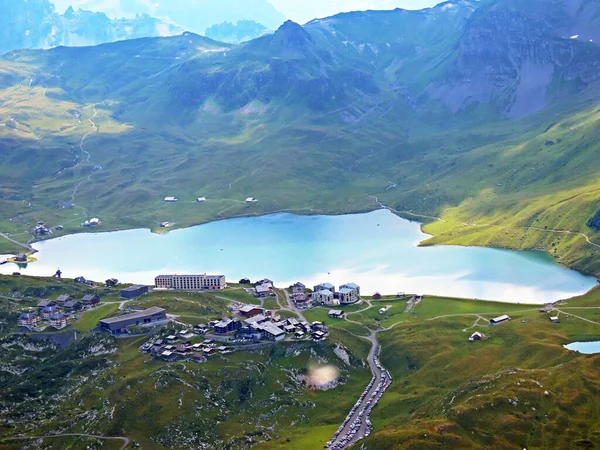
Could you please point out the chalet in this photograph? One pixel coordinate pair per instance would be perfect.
(62, 299)
(171, 339)
(263, 290)
(90, 300)
(208, 351)
(376, 296)
(318, 336)
(554, 319)
(317, 326)
(30, 320)
(324, 287)
(119, 324)
(266, 282)
(273, 333)
(111, 282)
(200, 329)
(477, 336)
(227, 326)
(45, 303)
(325, 297)
(134, 291)
(182, 349)
(198, 358)
(499, 319)
(299, 334)
(168, 355)
(251, 310)
(336, 314)
(197, 347)
(73, 306)
(298, 288)
(58, 321)
(165, 224)
(292, 321)
(289, 329)
(49, 311)
(302, 300)
(20, 258)
(170, 199)
(251, 200)
(201, 199)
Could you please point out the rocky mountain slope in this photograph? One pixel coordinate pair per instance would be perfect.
(36, 24)
(481, 112)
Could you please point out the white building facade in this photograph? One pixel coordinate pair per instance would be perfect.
(190, 282)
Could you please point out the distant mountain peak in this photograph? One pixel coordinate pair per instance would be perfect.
(292, 35)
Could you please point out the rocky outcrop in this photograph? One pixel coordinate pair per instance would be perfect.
(514, 54)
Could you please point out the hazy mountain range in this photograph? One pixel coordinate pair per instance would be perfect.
(476, 111)
(36, 24)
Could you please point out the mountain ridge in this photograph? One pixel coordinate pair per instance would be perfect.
(414, 107)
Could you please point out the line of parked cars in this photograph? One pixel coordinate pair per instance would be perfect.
(384, 383)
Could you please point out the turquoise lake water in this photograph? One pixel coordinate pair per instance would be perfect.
(377, 250)
(587, 348)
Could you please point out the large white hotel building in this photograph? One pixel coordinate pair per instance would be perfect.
(190, 282)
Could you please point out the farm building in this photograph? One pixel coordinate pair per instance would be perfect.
(499, 319)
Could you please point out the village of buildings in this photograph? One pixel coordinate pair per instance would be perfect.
(246, 325)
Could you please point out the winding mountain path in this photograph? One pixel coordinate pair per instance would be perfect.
(106, 438)
(87, 153)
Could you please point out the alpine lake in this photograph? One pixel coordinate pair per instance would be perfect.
(378, 250)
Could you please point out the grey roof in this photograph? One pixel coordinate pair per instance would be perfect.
(346, 291)
(248, 308)
(27, 316)
(63, 298)
(223, 323)
(90, 297)
(256, 319)
(350, 285)
(327, 285)
(71, 303)
(272, 329)
(325, 292)
(135, 315)
(335, 312)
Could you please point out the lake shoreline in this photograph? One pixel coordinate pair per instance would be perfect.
(373, 263)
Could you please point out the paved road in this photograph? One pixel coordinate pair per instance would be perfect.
(291, 305)
(8, 238)
(357, 424)
(117, 438)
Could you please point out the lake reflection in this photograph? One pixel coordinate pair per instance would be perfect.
(377, 250)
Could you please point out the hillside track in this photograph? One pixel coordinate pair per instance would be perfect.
(106, 438)
(575, 233)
